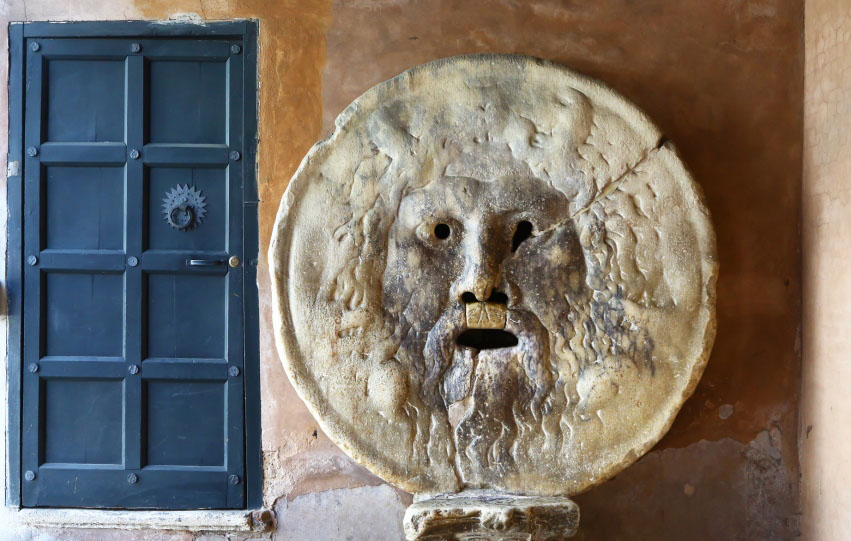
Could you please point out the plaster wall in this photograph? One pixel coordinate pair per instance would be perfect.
(826, 228)
(724, 80)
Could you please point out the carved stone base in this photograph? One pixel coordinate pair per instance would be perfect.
(485, 515)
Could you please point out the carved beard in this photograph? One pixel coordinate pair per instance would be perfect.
(484, 394)
(491, 399)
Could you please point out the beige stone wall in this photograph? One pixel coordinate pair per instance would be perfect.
(722, 79)
(826, 408)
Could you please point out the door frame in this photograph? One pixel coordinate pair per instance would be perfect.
(247, 31)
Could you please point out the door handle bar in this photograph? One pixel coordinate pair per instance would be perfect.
(204, 262)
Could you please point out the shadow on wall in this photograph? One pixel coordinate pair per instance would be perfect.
(725, 84)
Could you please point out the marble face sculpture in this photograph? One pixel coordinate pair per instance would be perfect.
(494, 274)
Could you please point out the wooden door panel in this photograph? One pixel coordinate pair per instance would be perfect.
(133, 328)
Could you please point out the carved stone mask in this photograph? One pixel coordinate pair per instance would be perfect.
(494, 274)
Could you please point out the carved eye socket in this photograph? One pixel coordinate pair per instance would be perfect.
(442, 231)
(522, 232)
(437, 234)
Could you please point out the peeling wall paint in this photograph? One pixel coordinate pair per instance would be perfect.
(723, 80)
(732, 490)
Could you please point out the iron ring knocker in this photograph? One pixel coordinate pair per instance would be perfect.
(184, 207)
(181, 217)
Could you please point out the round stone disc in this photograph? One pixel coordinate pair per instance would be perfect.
(497, 274)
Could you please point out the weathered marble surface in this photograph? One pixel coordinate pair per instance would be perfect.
(480, 190)
(489, 516)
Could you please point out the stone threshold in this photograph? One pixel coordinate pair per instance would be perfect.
(201, 520)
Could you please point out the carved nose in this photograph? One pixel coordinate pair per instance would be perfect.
(478, 280)
(483, 253)
(480, 291)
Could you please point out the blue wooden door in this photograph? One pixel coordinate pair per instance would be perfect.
(133, 274)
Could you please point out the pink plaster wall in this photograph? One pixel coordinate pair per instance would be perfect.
(826, 227)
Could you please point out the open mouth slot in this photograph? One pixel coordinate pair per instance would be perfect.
(486, 339)
(496, 296)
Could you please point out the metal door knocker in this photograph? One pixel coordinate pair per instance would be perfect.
(184, 207)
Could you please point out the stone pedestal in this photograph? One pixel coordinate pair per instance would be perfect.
(485, 515)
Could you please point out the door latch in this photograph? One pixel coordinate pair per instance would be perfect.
(204, 262)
